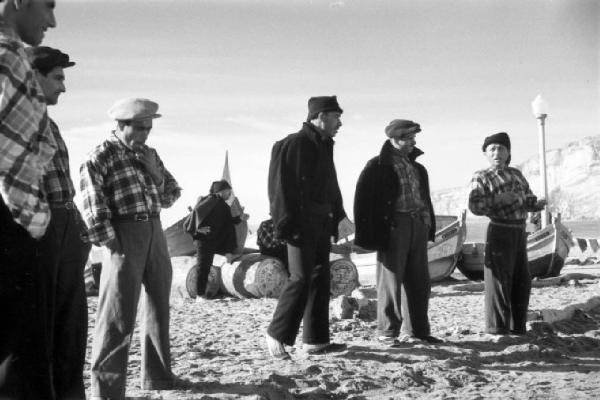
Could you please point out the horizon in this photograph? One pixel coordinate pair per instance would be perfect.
(236, 75)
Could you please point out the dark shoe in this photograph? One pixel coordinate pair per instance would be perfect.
(431, 339)
(324, 348)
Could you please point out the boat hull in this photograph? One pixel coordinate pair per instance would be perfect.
(547, 251)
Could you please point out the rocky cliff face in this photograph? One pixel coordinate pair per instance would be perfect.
(573, 174)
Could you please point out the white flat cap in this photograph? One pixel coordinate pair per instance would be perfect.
(133, 109)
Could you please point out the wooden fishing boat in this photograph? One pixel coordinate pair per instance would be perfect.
(547, 250)
(442, 254)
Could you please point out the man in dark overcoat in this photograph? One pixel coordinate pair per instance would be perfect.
(394, 216)
(307, 211)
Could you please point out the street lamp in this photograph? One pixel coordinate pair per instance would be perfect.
(539, 107)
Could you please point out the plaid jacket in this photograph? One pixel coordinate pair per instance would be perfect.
(57, 177)
(409, 192)
(489, 182)
(114, 183)
(26, 142)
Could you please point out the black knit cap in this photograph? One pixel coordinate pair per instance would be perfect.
(322, 104)
(498, 138)
(45, 59)
(217, 186)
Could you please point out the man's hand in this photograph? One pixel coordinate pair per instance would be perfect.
(345, 228)
(203, 230)
(148, 159)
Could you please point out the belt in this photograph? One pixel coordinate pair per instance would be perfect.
(67, 205)
(139, 217)
(411, 213)
(519, 223)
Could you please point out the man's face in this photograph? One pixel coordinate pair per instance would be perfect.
(330, 122)
(53, 84)
(405, 143)
(497, 154)
(135, 133)
(33, 18)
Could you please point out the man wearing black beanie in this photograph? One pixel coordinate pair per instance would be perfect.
(502, 194)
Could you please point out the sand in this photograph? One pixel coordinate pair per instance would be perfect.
(218, 345)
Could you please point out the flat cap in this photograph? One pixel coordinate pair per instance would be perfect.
(133, 109)
(400, 127)
(44, 58)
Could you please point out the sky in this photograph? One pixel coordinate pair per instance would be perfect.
(236, 76)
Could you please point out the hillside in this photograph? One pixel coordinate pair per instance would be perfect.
(573, 173)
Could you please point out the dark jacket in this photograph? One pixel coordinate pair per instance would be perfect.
(375, 197)
(292, 179)
(213, 211)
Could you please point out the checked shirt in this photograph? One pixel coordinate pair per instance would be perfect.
(489, 182)
(114, 183)
(57, 178)
(26, 142)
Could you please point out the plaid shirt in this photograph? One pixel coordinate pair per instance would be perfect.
(26, 142)
(57, 177)
(409, 191)
(487, 183)
(114, 183)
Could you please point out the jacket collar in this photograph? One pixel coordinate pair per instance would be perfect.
(385, 155)
(313, 134)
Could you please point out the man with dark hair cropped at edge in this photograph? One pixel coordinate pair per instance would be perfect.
(26, 149)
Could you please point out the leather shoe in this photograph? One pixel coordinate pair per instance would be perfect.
(324, 348)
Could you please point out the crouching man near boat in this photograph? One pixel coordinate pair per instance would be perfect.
(502, 194)
(213, 228)
(394, 216)
(125, 185)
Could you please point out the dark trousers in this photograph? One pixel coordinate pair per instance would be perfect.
(67, 318)
(205, 254)
(25, 365)
(403, 283)
(305, 296)
(507, 279)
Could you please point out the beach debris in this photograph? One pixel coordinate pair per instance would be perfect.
(343, 307)
(344, 277)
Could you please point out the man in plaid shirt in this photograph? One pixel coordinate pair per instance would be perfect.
(64, 239)
(125, 185)
(502, 193)
(26, 148)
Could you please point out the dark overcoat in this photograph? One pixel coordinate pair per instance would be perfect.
(375, 197)
(291, 178)
(212, 211)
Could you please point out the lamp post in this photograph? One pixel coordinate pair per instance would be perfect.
(539, 107)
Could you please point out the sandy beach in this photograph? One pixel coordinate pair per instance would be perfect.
(218, 345)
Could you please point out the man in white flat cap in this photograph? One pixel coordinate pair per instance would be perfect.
(394, 216)
(125, 185)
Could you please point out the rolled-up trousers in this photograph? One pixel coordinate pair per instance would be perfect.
(305, 296)
(143, 259)
(67, 319)
(25, 366)
(506, 278)
(403, 283)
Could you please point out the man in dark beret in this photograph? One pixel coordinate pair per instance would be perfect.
(307, 210)
(65, 243)
(502, 193)
(394, 216)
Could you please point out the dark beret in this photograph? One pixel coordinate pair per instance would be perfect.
(498, 138)
(43, 58)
